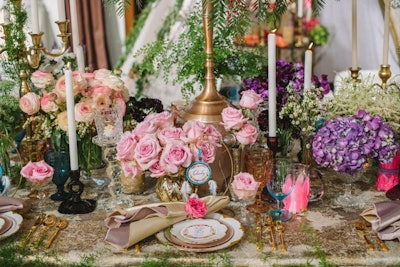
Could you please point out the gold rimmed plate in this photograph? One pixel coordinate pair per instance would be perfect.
(231, 222)
(16, 220)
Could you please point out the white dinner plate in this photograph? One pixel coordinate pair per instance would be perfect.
(16, 223)
(237, 235)
(199, 231)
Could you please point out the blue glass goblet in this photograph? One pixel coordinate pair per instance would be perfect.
(59, 160)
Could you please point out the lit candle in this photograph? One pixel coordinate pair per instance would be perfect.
(272, 84)
(34, 17)
(74, 24)
(308, 68)
(73, 148)
(354, 64)
(80, 58)
(300, 4)
(386, 34)
(61, 10)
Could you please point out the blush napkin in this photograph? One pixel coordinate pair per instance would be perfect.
(10, 203)
(128, 227)
(384, 218)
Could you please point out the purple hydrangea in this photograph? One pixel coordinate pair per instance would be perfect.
(345, 143)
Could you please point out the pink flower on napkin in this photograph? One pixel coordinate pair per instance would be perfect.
(37, 172)
(244, 186)
(250, 99)
(196, 208)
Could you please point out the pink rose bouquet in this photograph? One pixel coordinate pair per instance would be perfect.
(38, 172)
(241, 122)
(195, 207)
(244, 186)
(156, 145)
(92, 91)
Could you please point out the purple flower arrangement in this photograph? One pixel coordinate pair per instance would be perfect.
(344, 143)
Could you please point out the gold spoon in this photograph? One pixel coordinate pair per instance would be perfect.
(36, 224)
(61, 224)
(48, 222)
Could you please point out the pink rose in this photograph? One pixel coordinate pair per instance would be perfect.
(247, 135)
(194, 130)
(62, 121)
(101, 101)
(250, 99)
(232, 118)
(100, 90)
(42, 79)
(145, 127)
(37, 172)
(79, 84)
(84, 112)
(120, 103)
(166, 135)
(207, 151)
(48, 102)
(175, 155)
(146, 151)
(161, 120)
(30, 103)
(156, 170)
(213, 135)
(126, 146)
(130, 168)
(244, 186)
(195, 207)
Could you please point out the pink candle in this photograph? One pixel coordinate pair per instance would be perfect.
(386, 34)
(272, 84)
(354, 64)
(73, 147)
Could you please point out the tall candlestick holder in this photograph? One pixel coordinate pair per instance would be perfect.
(299, 33)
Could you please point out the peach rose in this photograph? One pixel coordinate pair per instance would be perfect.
(101, 102)
(100, 90)
(247, 135)
(250, 99)
(120, 103)
(84, 112)
(48, 102)
(37, 172)
(232, 118)
(62, 121)
(79, 84)
(113, 82)
(30, 103)
(101, 74)
(42, 79)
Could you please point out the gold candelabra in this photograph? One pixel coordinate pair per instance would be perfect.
(31, 56)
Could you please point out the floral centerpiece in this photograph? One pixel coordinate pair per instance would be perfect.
(346, 142)
(158, 147)
(47, 107)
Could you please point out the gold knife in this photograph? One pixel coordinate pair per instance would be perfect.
(280, 228)
(270, 231)
(361, 230)
(259, 232)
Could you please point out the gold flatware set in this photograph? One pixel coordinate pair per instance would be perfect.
(362, 229)
(46, 224)
(265, 226)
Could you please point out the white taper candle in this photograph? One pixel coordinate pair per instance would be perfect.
(386, 34)
(61, 10)
(354, 50)
(272, 84)
(73, 147)
(35, 17)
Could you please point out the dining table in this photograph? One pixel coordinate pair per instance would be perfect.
(324, 234)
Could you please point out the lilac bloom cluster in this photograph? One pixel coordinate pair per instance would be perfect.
(286, 73)
(344, 143)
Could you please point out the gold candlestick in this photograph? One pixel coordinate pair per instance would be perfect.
(354, 74)
(207, 107)
(384, 74)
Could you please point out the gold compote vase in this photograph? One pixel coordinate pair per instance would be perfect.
(168, 186)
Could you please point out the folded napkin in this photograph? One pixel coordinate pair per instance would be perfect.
(10, 203)
(128, 227)
(385, 219)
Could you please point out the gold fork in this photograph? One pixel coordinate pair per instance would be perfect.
(280, 229)
(270, 230)
(360, 227)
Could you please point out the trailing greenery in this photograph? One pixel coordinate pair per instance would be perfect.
(12, 255)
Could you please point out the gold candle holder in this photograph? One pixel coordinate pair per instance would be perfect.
(384, 74)
(354, 74)
(299, 34)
